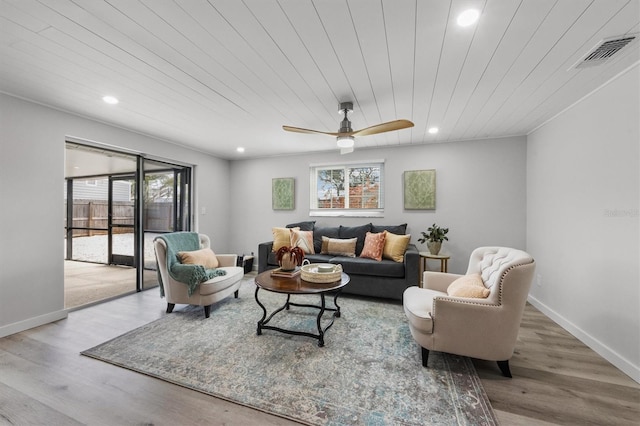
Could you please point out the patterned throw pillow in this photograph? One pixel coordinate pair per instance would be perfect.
(339, 247)
(302, 239)
(373, 246)
(282, 237)
(205, 257)
(395, 246)
(468, 286)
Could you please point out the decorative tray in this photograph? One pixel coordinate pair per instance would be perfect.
(314, 272)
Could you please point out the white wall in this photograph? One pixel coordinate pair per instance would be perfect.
(32, 174)
(480, 194)
(583, 229)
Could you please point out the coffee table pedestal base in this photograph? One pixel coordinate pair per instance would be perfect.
(262, 324)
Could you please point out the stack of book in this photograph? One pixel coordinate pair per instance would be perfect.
(285, 274)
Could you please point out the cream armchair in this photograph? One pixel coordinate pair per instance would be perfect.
(207, 292)
(484, 328)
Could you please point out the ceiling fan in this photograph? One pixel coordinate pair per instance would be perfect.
(346, 135)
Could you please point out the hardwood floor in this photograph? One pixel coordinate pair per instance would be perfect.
(44, 379)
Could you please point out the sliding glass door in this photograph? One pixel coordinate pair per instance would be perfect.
(117, 203)
(167, 207)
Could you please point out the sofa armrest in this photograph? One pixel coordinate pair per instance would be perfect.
(263, 255)
(227, 259)
(438, 280)
(412, 265)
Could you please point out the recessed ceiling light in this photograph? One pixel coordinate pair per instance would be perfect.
(110, 100)
(468, 17)
(433, 130)
(240, 149)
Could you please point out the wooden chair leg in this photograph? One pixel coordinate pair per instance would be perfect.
(207, 311)
(504, 367)
(425, 356)
(170, 307)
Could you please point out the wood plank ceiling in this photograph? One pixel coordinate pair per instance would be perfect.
(218, 74)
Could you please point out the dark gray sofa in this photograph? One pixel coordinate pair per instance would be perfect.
(386, 278)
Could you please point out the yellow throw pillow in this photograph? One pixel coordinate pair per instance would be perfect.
(339, 247)
(395, 245)
(282, 237)
(373, 246)
(468, 286)
(302, 239)
(205, 257)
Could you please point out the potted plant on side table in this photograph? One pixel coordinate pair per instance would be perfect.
(434, 237)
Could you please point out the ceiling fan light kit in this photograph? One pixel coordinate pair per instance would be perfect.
(345, 137)
(345, 141)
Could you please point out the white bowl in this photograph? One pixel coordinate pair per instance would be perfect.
(326, 268)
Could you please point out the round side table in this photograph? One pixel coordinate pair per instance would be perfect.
(424, 255)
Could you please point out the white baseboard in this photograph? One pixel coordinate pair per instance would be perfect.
(604, 351)
(19, 326)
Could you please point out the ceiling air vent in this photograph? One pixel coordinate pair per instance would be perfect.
(605, 50)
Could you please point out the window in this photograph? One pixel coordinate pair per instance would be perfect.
(353, 189)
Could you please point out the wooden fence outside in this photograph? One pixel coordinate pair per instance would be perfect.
(94, 214)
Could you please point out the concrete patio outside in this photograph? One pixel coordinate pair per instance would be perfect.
(91, 280)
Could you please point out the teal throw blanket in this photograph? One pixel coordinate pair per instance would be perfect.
(191, 275)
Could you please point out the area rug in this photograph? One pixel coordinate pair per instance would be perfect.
(368, 373)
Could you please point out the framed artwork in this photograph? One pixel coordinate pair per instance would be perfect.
(420, 189)
(282, 193)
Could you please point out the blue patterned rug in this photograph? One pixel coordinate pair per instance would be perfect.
(368, 373)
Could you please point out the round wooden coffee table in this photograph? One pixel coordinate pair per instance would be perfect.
(293, 286)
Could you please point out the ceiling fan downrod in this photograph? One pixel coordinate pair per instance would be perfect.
(345, 125)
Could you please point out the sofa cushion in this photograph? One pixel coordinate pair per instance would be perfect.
(272, 259)
(373, 246)
(205, 257)
(318, 233)
(394, 229)
(304, 226)
(281, 237)
(369, 267)
(395, 246)
(302, 239)
(359, 232)
(339, 246)
(468, 286)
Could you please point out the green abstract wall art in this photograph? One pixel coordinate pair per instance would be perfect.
(282, 193)
(420, 189)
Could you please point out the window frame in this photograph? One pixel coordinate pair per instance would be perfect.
(344, 212)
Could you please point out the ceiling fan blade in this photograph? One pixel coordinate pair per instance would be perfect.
(384, 127)
(301, 130)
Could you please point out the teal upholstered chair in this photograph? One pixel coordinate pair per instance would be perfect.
(207, 292)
